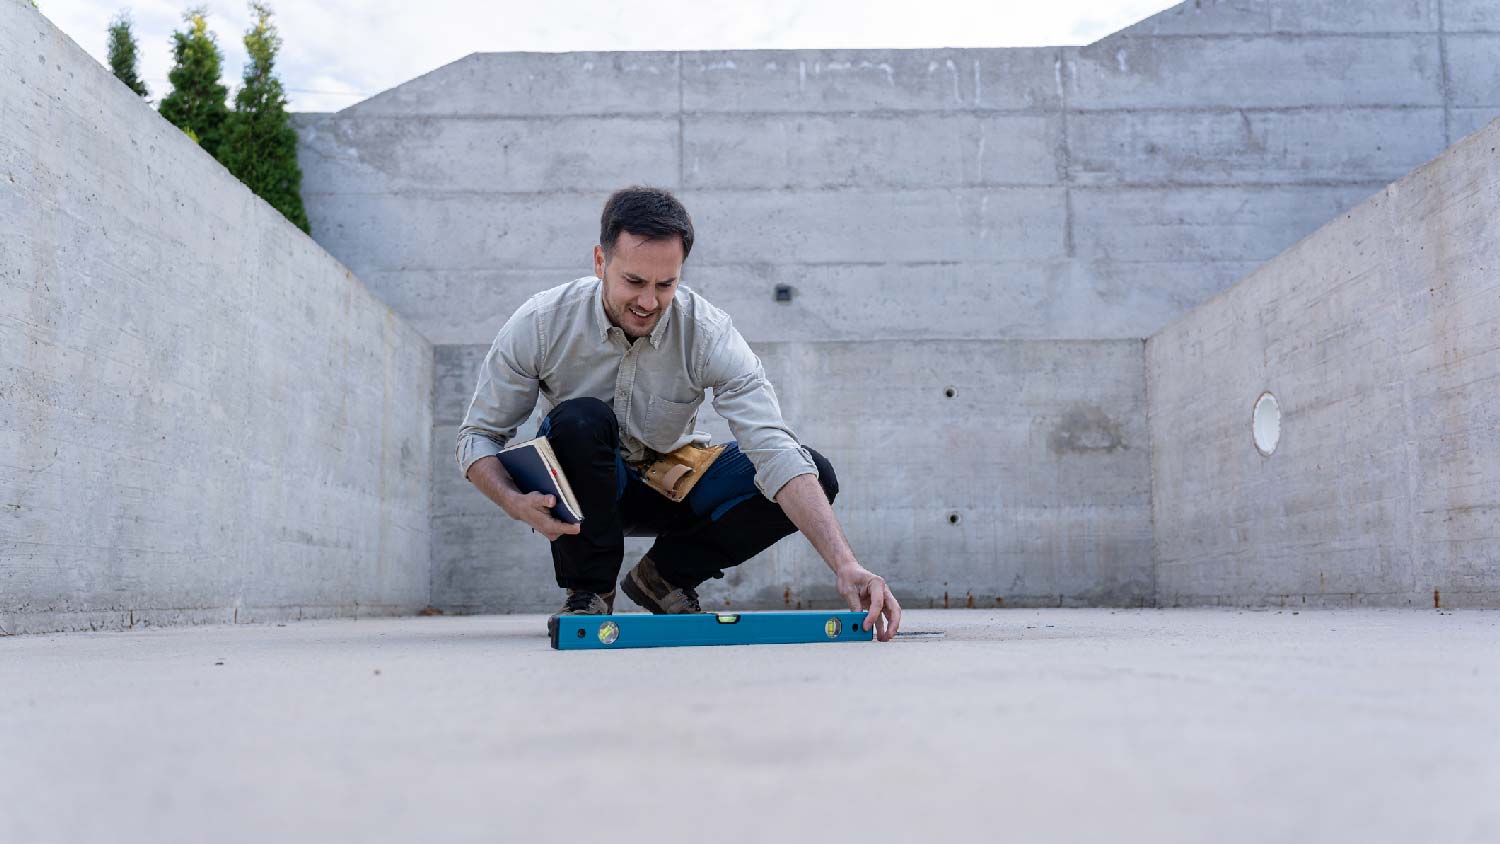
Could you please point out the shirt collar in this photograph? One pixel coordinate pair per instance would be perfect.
(603, 325)
(661, 323)
(601, 319)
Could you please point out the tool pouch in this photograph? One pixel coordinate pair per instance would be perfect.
(676, 473)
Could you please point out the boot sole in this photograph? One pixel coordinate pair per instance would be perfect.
(637, 594)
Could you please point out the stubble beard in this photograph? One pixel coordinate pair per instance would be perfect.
(624, 315)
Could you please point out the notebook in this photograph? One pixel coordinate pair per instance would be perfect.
(533, 466)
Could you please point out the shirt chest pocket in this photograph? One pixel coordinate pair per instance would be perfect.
(666, 421)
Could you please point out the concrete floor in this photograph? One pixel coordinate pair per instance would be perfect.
(1022, 725)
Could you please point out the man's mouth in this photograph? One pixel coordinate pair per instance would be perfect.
(639, 315)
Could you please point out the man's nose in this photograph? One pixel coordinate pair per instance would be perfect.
(646, 301)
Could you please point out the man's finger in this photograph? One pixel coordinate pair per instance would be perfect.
(893, 614)
(560, 527)
(553, 527)
(852, 599)
(877, 599)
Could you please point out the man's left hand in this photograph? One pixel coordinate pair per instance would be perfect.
(865, 590)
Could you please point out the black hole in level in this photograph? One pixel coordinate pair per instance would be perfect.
(580, 633)
(950, 392)
(952, 518)
(856, 628)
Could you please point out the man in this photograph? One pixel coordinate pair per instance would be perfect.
(622, 359)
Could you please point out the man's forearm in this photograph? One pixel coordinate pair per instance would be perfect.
(805, 503)
(489, 475)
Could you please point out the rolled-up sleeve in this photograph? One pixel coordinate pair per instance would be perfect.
(747, 401)
(507, 389)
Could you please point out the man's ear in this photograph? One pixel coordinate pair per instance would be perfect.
(599, 261)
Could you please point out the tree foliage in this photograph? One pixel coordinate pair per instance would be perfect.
(122, 54)
(196, 102)
(260, 144)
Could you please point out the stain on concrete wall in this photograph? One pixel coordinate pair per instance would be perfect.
(1085, 429)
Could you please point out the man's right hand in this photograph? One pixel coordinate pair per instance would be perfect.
(535, 509)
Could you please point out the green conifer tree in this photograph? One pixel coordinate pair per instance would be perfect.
(260, 145)
(122, 54)
(196, 103)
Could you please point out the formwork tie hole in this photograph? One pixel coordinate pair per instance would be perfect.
(1265, 423)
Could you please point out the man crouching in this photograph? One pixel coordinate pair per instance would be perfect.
(622, 359)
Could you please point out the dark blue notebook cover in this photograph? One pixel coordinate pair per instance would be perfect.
(527, 465)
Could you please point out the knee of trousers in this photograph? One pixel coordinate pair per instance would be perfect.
(581, 419)
(826, 477)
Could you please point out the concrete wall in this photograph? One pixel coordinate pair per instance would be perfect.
(919, 198)
(1075, 192)
(204, 416)
(1380, 337)
(1029, 487)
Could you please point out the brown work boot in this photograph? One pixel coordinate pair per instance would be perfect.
(645, 585)
(582, 602)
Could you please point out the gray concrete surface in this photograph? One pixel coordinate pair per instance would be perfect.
(203, 416)
(1359, 726)
(1029, 487)
(1380, 337)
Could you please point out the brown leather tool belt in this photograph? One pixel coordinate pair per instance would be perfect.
(676, 473)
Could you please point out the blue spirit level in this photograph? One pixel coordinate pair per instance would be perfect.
(639, 630)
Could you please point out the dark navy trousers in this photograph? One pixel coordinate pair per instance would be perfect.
(723, 522)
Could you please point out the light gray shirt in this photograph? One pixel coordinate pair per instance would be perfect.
(560, 345)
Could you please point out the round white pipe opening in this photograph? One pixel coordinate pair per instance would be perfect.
(1265, 423)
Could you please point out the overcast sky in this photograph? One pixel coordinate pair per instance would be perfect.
(338, 52)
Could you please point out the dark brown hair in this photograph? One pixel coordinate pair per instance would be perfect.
(651, 213)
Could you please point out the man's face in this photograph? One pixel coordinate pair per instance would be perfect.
(640, 279)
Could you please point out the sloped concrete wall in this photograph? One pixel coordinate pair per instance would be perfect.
(1029, 486)
(1380, 337)
(203, 416)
